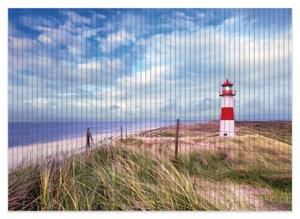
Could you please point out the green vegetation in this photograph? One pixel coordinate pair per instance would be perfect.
(167, 134)
(131, 141)
(218, 167)
(277, 130)
(251, 171)
(105, 179)
(120, 179)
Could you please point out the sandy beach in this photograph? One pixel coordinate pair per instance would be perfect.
(196, 136)
(60, 149)
(24, 155)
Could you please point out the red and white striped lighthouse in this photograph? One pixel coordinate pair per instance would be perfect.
(227, 110)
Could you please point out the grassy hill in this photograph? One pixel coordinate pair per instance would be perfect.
(249, 172)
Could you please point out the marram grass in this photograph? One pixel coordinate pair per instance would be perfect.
(120, 179)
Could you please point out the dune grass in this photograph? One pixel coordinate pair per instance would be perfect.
(218, 167)
(117, 178)
(114, 179)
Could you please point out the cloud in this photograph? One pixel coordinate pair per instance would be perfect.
(142, 78)
(103, 71)
(114, 40)
(75, 18)
(44, 39)
(137, 64)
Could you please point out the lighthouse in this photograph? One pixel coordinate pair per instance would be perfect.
(227, 110)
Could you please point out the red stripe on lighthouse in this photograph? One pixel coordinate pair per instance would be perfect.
(227, 113)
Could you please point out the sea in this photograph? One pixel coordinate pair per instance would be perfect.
(26, 133)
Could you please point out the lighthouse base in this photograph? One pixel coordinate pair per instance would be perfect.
(226, 128)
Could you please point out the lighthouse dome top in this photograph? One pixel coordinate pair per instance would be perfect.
(227, 89)
(227, 83)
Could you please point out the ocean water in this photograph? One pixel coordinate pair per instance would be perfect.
(25, 133)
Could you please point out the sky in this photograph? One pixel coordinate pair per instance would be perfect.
(140, 64)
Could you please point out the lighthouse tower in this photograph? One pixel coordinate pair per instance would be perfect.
(227, 111)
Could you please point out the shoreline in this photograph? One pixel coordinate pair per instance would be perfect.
(32, 153)
(20, 156)
(23, 155)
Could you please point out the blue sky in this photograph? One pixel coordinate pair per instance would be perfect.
(128, 64)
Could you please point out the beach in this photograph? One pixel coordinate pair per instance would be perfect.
(23, 155)
(257, 161)
(160, 141)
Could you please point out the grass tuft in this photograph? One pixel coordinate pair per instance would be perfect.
(120, 179)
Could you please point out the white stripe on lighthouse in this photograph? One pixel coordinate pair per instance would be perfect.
(227, 128)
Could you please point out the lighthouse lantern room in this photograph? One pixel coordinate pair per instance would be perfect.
(227, 110)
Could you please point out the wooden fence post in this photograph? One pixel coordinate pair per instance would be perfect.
(88, 142)
(89, 138)
(121, 132)
(176, 139)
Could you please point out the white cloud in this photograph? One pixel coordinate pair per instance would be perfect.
(169, 72)
(114, 40)
(39, 102)
(44, 39)
(101, 65)
(141, 78)
(76, 18)
(230, 21)
(201, 15)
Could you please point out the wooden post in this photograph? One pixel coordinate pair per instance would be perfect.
(121, 132)
(88, 142)
(176, 138)
(89, 138)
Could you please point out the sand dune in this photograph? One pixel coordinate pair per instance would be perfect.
(268, 135)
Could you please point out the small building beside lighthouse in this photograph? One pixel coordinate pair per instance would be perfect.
(227, 110)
